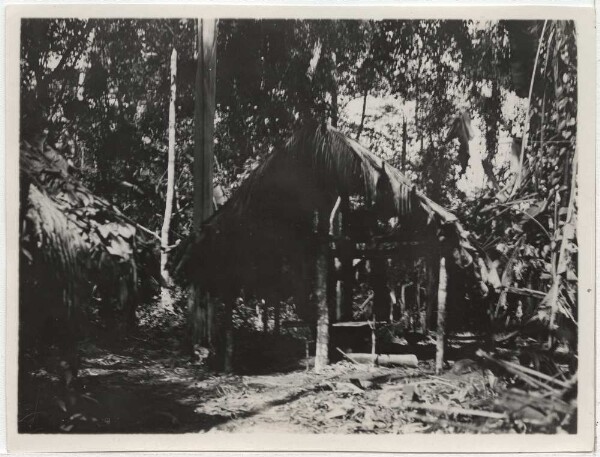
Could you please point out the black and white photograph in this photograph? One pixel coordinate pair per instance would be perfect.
(301, 226)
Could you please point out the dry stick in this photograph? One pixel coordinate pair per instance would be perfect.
(442, 380)
(538, 374)
(347, 356)
(563, 244)
(435, 421)
(366, 302)
(456, 410)
(528, 379)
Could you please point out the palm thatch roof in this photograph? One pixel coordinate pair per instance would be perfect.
(69, 236)
(259, 239)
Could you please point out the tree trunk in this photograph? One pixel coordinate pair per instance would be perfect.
(320, 292)
(204, 114)
(166, 299)
(334, 91)
(362, 116)
(441, 317)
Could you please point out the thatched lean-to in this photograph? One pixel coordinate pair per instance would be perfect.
(72, 243)
(263, 239)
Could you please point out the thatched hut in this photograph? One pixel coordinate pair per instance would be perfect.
(298, 223)
(74, 246)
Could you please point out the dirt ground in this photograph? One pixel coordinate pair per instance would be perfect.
(147, 387)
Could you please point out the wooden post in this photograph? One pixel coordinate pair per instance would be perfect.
(265, 315)
(346, 256)
(228, 357)
(319, 294)
(276, 316)
(373, 339)
(432, 288)
(381, 297)
(404, 140)
(441, 317)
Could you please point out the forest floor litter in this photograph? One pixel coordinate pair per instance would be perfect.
(153, 388)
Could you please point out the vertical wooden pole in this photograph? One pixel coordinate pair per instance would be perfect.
(381, 299)
(320, 291)
(228, 356)
(441, 317)
(276, 316)
(265, 316)
(404, 141)
(346, 247)
(374, 339)
(432, 265)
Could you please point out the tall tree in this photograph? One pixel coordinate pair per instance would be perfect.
(202, 311)
(164, 234)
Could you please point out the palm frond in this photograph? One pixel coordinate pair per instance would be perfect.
(69, 232)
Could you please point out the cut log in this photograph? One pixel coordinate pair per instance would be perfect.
(408, 360)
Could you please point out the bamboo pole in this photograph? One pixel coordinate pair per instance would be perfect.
(441, 317)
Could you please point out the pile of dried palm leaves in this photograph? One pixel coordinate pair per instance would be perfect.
(69, 235)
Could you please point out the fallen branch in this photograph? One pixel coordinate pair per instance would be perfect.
(455, 410)
(539, 374)
(446, 422)
(346, 356)
(533, 382)
(526, 292)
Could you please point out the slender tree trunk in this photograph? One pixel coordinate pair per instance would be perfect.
(320, 292)
(201, 316)
(334, 91)
(165, 293)
(441, 317)
(362, 116)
